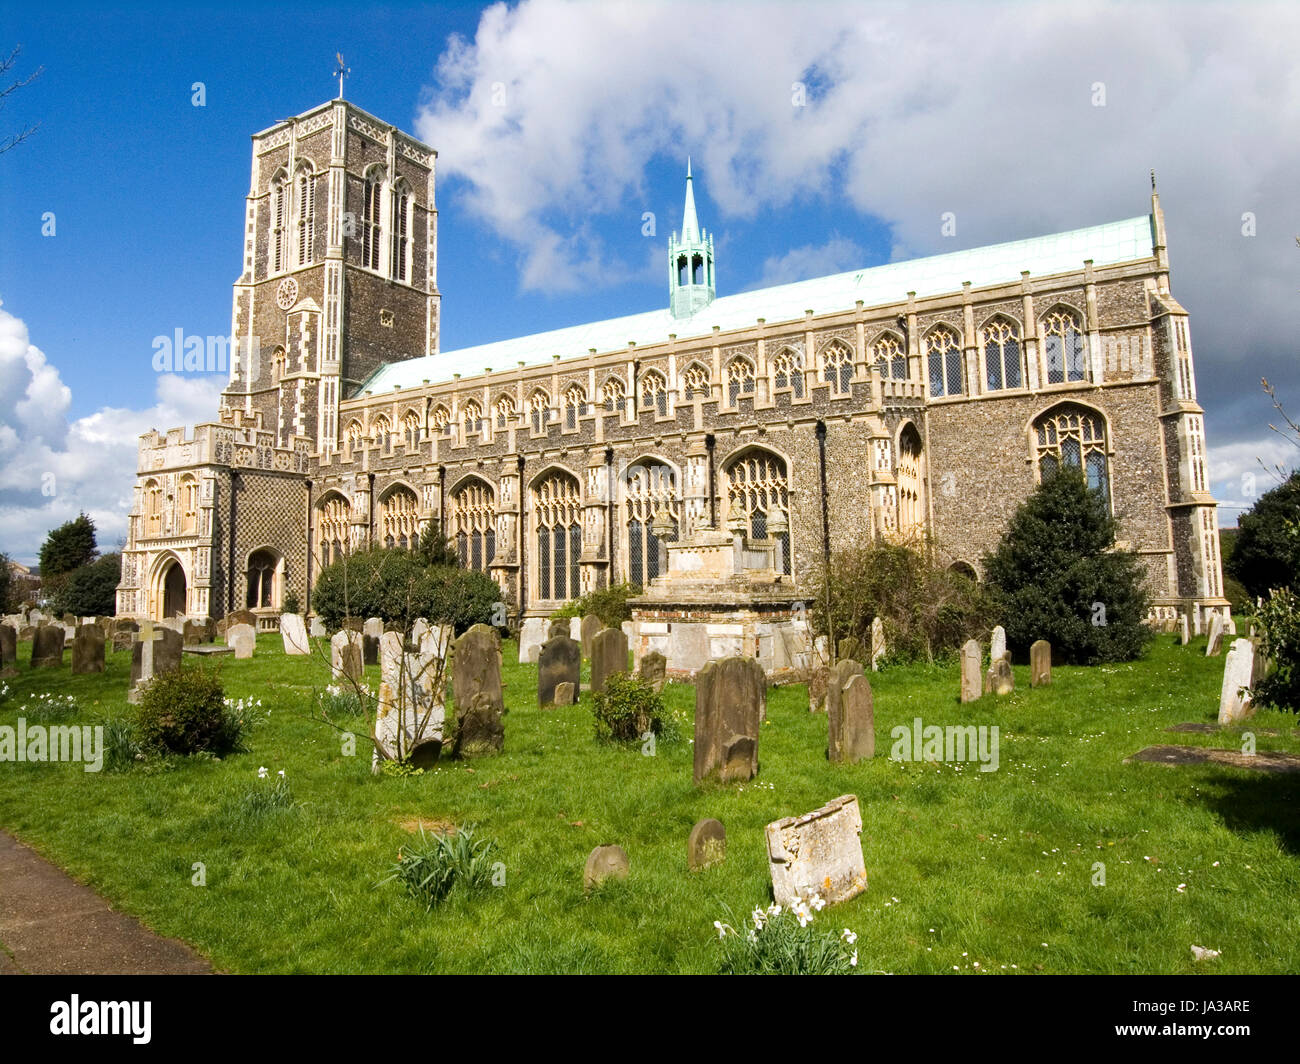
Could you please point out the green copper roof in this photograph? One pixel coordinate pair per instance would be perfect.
(1114, 242)
(690, 223)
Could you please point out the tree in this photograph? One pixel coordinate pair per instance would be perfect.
(6, 65)
(68, 547)
(6, 583)
(434, 548)
(91, 590)
(1057, 576)
(1266, 555)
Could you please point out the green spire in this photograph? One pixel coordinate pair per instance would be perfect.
(690, 223)
(690, 260)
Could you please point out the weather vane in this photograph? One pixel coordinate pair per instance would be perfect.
(342, 72)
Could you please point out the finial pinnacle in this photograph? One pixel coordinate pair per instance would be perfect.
(1153, 180)
(341, 72)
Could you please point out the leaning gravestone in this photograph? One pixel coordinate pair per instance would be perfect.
(560, 661)
(998, 644)
(1238, 673)
(318, 629)
(971, 659)
(730, 703)
(604, 862)
(608, 656)
(391, 649)
(88, 649)
(852, 722)
(653, 669)
(345, 655)
(47, 646)
(565, 695)
(999, 680)
(476, 686)
(818, 853)
(707, 844)
(818, 681)
(1214, 641)
(293, 633)
(849, 647)
(243, 637)
(587, 629)
(840, 673)
(155, 651)
(8, 644)
(1040, 662)
(877, 643)
(409, 730)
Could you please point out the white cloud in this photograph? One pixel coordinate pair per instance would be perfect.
(1241, 472)
(837, 255)
(52, 469)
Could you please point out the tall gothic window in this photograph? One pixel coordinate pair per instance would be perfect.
(1002, 361)
(473, 525)
(740, 379)
(153, 508)
(695, 382)
(651, 491)
(440, 421)
(411, 428)
(943, 353)
(472, 418)
(837, 366)
(891, 361)
(557, 507)
(1073, 437)
(787, 372)
(505, 409)
(262, 589)
(757, 486)
(614, 393)
(279, 210)
(189, 505)
(539, 409)
(332, 533)
(575, 406)
(654, 393)
(1063, 347)
(401, 229)
(382, 432)
(399, 518)
(372, 228)
(911, 482)
(355, 434)
(306, 220)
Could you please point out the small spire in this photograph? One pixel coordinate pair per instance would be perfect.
(341, 72)
(690, 223)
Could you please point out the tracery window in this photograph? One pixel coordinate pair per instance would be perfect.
(614, 392)
(1063, 347)
(651, 491)
(1002, 360)
(837, 366)
(382, 432)
(189, 505)
(695, 382)
(372, 228)
(757, 486)
(1073, 437)
(505, 409)
(399, 520)
(787, 372)
(411, 428)
(355, 433)
(473, 527)
(401, 229)
(740, 379)
(911, 482)
(654, 393)
(943, 351)
(440, 421)
(891, 360)
(557, 506)
(575, 406)
(540, 410)
(472, 419)
(332, 534)
(279, 208)
(306, 221)
(262, 572)
(153, 508)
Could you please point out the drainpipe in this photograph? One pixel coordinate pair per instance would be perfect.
(519, 535)
(609, 513)
(230, 576)
(713, 506)
(306, 607)
(442, 502)
(370, 511)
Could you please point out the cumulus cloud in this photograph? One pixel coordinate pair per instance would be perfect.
(1242, 471)
(52, 468)
(837, 255)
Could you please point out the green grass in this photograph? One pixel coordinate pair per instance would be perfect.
(964, 867)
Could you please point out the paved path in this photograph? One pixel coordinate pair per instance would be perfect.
(52, 925)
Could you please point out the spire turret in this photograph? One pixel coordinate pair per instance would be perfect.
(690, 260)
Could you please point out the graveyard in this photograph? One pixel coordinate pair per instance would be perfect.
(1069, 858)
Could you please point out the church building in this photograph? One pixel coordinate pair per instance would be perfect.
(914, 401)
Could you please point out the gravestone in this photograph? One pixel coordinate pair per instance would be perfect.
(391, 649)
(559, 626)
(998, 644)
(837, 676)
(653, 669)
(1238, 673)
(27, 633)
(849, 647)
(1040, 662)
(8, 644)
(409, 730)
(877, 643)
(47, 646)
(532, 634)
(565, 694)
(852, 722)
(318, 629)
(971, 661)
(345, 655)
(353, 624)
(1184, 630)
(575, 628)
(243, 637)
(124, 630)
(818, 681)
(1214, 640)
(818, 853)
(373, 626)
(730, 703)
(999, 680)
(88, 649)
(193, 633)
(155, 651)
(604, 862)
(370, 649)
(707, 844)
(608, 656)
(587, 629)
(241, 617)
(293, 634)
(476, 686)
(560, 661)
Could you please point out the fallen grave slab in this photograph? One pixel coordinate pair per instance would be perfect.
(1262, 761)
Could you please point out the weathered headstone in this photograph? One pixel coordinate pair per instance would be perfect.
(877, 642)
(818, 681)
(353, 624)
(293, 634)
(653, 669)
(476, 685)
(1238, 673)
(373, 626)
(559, 626)
(88, 649)
(707, 844)
(1184, 630)
(838, 675)
(193, 633)
(47, 646)
(849, 647)
(604, 862)
(1214, 640)
(370, 649)
(243, 637)
(8, 644)
(971, 661)
(155, 651)
(1040, 662)
(345, 655)
(532, 634)
(407, 729)
(27, 633)
(852, 721)
(730, 700)
(560, 661)
(565, 694)
(608, 656)
(999, 680)
(241, 617)
(998, 644)
(587, 629)
(391, 648)
(318, 629)
(818, 853)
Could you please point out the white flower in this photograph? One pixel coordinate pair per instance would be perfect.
(281, 773)
(849, 936)
(760, 918)
(723, 928)
(817, 903)
(262, 773)
(853, 961)
(774, 910)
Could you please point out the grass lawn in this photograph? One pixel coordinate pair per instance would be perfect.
(968, 871)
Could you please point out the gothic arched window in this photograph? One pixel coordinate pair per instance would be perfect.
(399, 519)
(1063, 347)
(189, 505)
(411, 428)
(1073, 437)
(382, 432)
(332, 534)
(472, 419)
(891, 361)
(263, 589)
(305, 204)
(372, 225)
(440, 420)
(651, 492)
(1002, 359)
(575, 406)
(557, 506)
(473, 528)
(539, 409)
(401, 228)
(911, 482)
(153, 508)
(757, 486)
(355, 433)
(837, 366)
(614, 393)
(695, 382)
(654, 393)
(279, 220)
(943, 353)
(505, 409)
(740, 379)
(787, 372)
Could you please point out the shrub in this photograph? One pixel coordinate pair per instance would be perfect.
(607, 603)
(291, 604)
(927, 611)
(122, 747)
(183, 712)
(1266, 552)
(91, 590)
(430, 868)
(629, 707)
(784, 942)
(1277, 620)
(1057, 576)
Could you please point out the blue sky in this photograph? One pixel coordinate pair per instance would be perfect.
(541, 202)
